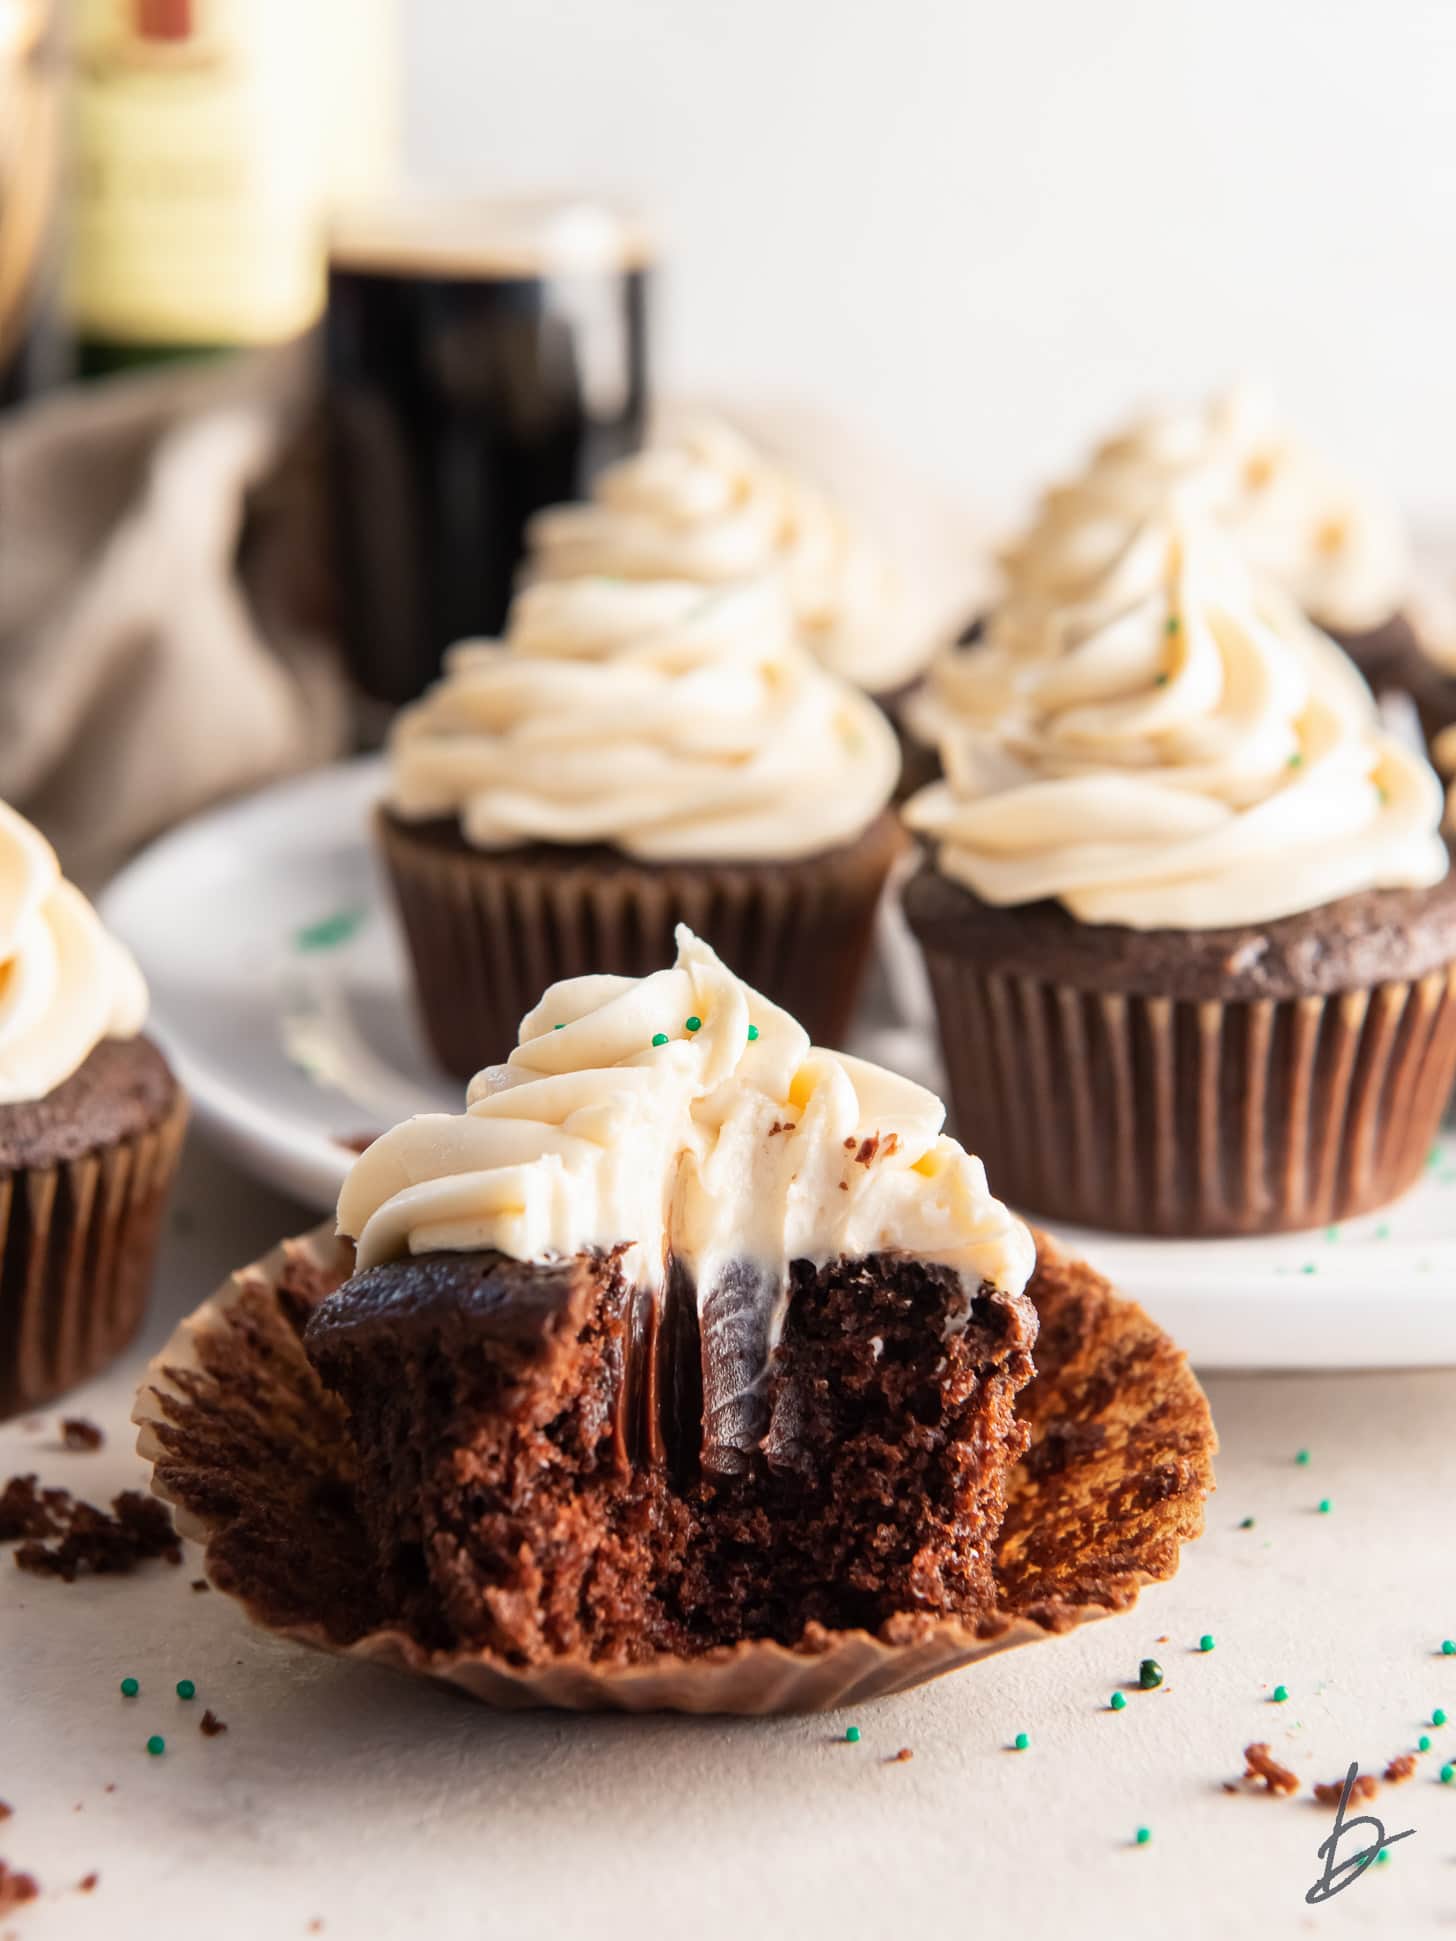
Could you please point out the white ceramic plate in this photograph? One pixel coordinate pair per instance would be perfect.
(280, 990)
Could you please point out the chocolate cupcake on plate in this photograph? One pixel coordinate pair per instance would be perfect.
(633, 755)
(1189, 921)
(707, 505)
(91, 1122)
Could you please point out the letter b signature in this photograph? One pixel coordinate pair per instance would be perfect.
(1336, 1878)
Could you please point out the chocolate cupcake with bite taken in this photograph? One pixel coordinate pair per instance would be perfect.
(91, 1123)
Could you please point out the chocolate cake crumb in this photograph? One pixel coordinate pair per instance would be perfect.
(1229, 1786)
(1331, 1792)
(201, 1584)
(867, 1150)
(5, 1810)
(1400, 1768)
(137, 1529)
(209, 1725)
(88, 1884)
(78, 1433)
(1260, 1763)
(16, 1889)
(781, 1125)
(24, 1512)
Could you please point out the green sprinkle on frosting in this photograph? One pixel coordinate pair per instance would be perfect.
(1160, 680)
(752, 1034)
(659, 1038)
(693, 1024)
(1172, 624)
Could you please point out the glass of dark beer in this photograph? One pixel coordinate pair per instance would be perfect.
(484, 359)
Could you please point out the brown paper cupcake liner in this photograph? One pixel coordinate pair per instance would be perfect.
(487, 931)
(1150, 1115)
(255, 1455)
(77, 1245)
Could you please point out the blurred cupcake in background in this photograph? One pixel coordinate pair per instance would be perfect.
(706, 504)
(633, 755)
(1188, 917)
(91, 1124)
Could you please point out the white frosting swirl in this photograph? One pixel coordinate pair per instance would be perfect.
(669, 720)
(1337, 548)
(1185, 753)
(732, 1140)
(65, 984)
(708, 506)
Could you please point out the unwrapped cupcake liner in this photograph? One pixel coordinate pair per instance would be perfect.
(1198, 1119)
(77, 1246)
(488, 932)
(256, 1457)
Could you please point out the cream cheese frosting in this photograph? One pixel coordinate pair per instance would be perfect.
(65, 983)
(671, 720)
(684, 1116)
(708, 506)
(1336, 547)
(1183, 750)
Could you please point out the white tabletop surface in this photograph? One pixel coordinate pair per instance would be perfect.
(380, 1807)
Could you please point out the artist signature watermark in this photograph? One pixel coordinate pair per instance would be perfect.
(1340, 1874)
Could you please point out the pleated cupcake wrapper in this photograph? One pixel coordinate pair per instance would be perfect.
(255, 1457)
(1200, 1119)
(487, 934)
(77, 1246)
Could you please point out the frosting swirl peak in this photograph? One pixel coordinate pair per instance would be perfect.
(665, 718)
(686, 1117)
(708, 506)
(1180, 751)
(65, 983)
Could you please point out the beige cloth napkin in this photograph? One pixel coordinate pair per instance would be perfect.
(159, 646)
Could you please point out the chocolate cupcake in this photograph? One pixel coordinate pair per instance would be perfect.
(707, 505)
(685, 1333)
(91, 1122)
(1190, 924)
(632, 756)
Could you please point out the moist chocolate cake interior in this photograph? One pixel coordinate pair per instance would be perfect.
(554, 1462)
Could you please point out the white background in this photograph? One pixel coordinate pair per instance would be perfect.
(985, 228)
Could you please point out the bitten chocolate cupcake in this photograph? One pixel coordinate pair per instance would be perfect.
(634, 755)
(707, 505)
(685, 1333)
(1335, 545)
(1190, 924)
(91, 1121)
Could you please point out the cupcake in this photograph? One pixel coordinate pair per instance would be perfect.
(633, 755)
(708, 506)
(91, 1122)
(1334, 545)
(1189, 921)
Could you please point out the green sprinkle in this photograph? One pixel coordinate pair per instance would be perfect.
(659, 1038)
(1384, 796)
(1171, 626)
(1382, 1232)
(693, 1024)
(1143, 1835)
(1309, 1267)
(1448, 1773)
(1296, 761)
(1324, 1506)
(330, 932)
(1205, 1643)
(1302, 1458)
(1448, 1647)
(1281, 1692)
(1332, 1234)
(1438, 1717)
(1118, 1702)
(129, 1688)
(1382, 1856)
(1423, 1744)
(156, 1745)
(1160, 680)
(851, 1735)
(558, 1027)
(186, 1688)
(1247, 1524)
(1021, 1742)
(752, 1034)
(1150, 1674)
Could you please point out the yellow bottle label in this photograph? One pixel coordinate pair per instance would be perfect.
(209, 138)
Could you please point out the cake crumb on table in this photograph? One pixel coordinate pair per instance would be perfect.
(209, 1725)
(78, 1433)
(1330, 1792)
(88, 1884)
(201, 1584)
(1260, 1764)
(1400, 1768)
(16, 1888)
(136, 1529)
